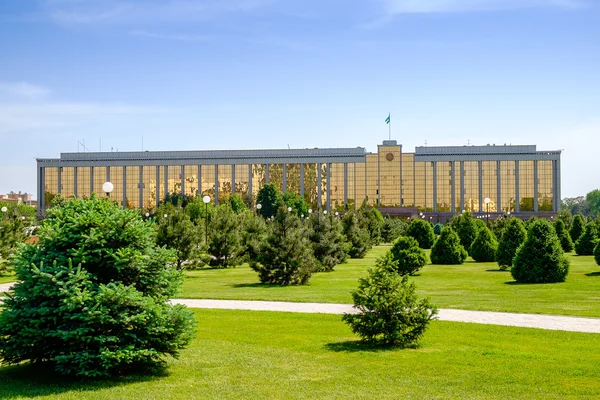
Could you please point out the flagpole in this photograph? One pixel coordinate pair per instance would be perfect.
(390, 125)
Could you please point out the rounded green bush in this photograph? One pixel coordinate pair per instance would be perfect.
(587, 241)
(540, 259)
(513, 236)
(484, 246)
(563, 235)
(422, 231)
(409, 255)
(597, 253)
(447, 249)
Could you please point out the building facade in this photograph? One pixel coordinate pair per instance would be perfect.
(441, 180)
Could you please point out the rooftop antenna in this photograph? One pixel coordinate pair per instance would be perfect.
(100, 141)
(425, 142)
(468, 142)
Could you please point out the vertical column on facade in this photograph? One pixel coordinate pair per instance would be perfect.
(378, 177)
(400, 188)
(157, 185)
(216, 185)
(480, 173)
(499, 188)
(535, 186)
(166, 182)
(435, 186)
(414, 182)
(232, 178)
(462, 186)
(266, 173)
(75, 182)
(302, 180)
(41, 195)
(345, 186)
(59, 179)
(250, 179)
(517, 197)
(452, 187)
(328, 165)
(91, 180)
(199, 193)
(284, 178)
(555, 185)
(182, 175)
(124, 205)
(141, 186)
(558, 184)
(319, 204)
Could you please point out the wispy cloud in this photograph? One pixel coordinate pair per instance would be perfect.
(166, 36)
(22, 91)
(454, 6)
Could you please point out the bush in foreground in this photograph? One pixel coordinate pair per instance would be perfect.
(389, 311)
(409, 255)
(483, 248)
(513, 236)
(422, 231)
(92, 298)
(447, 249)
(540, 259)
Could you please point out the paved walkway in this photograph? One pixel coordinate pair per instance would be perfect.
(551, 322)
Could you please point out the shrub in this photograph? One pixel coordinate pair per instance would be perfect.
(587, 241)
(286, 256)
(269, 197)
(328, 241)
(465, 227)
(563, 235)
(253, 234)
(513, 236)
(357, 237)
(392, 229)
(224, 238)
(541, 258)
(14, 224)
(447, 249)
(297, 203)
(92, 297)
(577, 227)
(597, 253)
(484, 246)
(176, 231)
(389, 311)
(437, 228)
(370, 218)
(409, 255)
(422, 231)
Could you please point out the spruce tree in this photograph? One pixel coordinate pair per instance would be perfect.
(254, 229)
(328, 241)
(392, 229)
(447, 249)
(484, 246)
(422, 232)
(269, 198)
(224, 238)
(597, 253)
(370, 218)
(176, 231)
(92, 297)
(464, 225)
(563, 235)
(285, 257)
(577, 227)
(513, 236)
(357, 237)
(587, 241)
(409, 256)
(541, 258)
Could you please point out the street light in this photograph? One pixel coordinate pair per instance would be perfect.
(487, 210)
(206, 200)
(289, 209)
(4, 209)
(108, 187)
(258, 207)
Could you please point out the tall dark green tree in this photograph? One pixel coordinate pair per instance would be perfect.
(563, 235)
(371, 219)
(357, 237)
(269, 197)
(513, 236)
(328, 241)
(540, 259)
(577, 228)
(422, 232)
(298, 204)
(254, 229)
(587, 241)
(92, 297)
(483, 248)
(224, 238)
(236, 203)
(464, 225)
(176, 231)
(392, 229)
(447, 248)
(597, 253)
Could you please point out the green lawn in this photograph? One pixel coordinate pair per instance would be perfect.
(7, 278)
(472, 286)
(264, 355)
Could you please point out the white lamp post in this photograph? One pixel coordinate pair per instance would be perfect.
(206, 200)
(4, 209)
(108, 187)
(487, 209)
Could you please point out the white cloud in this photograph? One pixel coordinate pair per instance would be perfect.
(453, 6)
(22, 91)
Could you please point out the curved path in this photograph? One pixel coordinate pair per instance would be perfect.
(541, 321)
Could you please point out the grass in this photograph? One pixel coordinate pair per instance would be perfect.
(472, 286)
(265, 355)
(7, 278)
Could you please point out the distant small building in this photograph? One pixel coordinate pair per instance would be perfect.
(18, 198)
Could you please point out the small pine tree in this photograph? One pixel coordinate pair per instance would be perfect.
(224, 241)
(464, 225)
(286, 256)
(237, 204)
(370, 218)
(392, 229)
(269, 197)
(484, 246)
(597, 253)
(563, 235)
(329, 243)
(409, 256)
(254, 229)
(357, 237)
(389, 312)
(587, 241)
(447, 249)
(13, 230)
(577, 227)
(422, 231)
(176, 231)
(513, 236)
(541, 258)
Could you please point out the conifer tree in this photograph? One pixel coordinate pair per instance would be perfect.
(224, 238)
(483, 248)
(357, 237)
(587, 241)
(269, 197)
(328, 241)
(540, 259)
(409, 256)
(176, 231)
(563, 235)
(370, 218)
(447, 248)
(577, 227)
(513, 236)
(597, 253)
(422, 232)
(464, 225)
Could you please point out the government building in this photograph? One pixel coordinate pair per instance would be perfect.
(439, 181)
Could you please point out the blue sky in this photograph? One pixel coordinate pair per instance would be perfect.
(244, 74)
